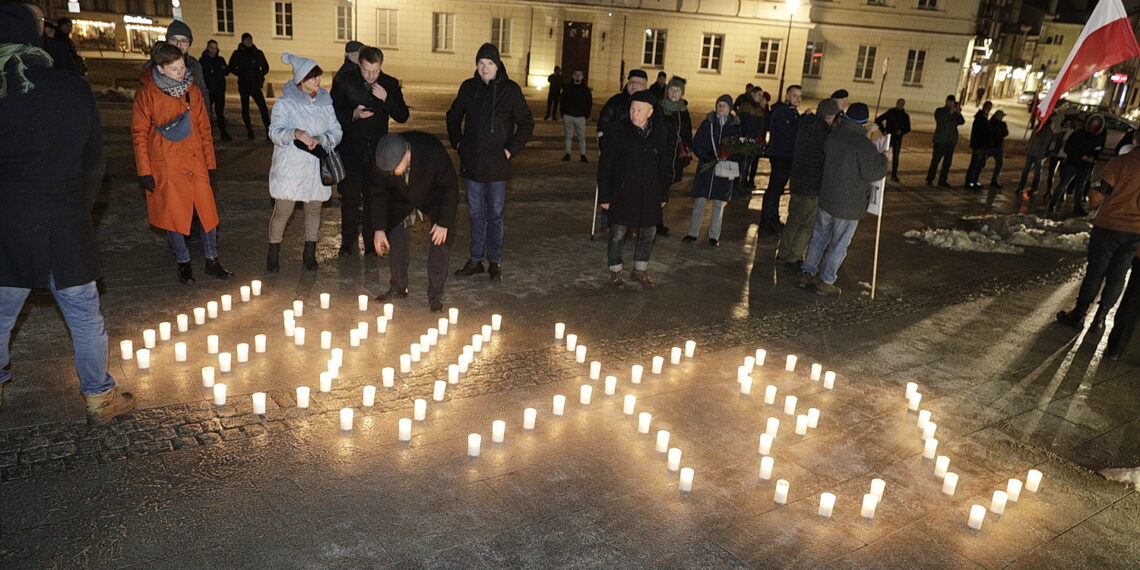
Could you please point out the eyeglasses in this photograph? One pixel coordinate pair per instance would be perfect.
(182, 41)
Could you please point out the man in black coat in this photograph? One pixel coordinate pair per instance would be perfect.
(215, 70)
(553, 93)
(47, 239)
(351, 60)
(488, 123)
(416, 180)
(249, 65)
(364, 98)
(616, 109)
(979, 142)
(634, 175)
(806, 181)
(895, 122)
(577, 100)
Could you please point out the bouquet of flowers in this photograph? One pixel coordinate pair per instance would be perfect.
(743, 146)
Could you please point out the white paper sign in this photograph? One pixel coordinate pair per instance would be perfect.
(875, 208)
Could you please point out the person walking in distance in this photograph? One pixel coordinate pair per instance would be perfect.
(577, 100)
(553, 93)
(364, 98)
(806, 180)
(215, 69)
(51, 178)
(895, 122)
(979, 145)
(488, 123)
(249, 65)
(947, 119)
(781, 145)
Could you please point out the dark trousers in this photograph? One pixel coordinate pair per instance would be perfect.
(552, 98)
(1051, 170)
(977, 161)
(1110, 254)
(1127, 313)
(1032, 164)
(259, 98)
(896, 148)
(770, 206)
(354, 196)
(399, 239)
(749, 169)
(218, 100)
(944, 153)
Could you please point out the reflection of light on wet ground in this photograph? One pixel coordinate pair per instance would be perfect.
(741, 308)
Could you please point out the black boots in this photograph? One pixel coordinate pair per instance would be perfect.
(470, 268)
(272, 261)
(309, 258)
(185, 273)
(496, 271)
(214, 267)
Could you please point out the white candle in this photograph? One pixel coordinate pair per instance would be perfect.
(362, 330)
(826, 504)
(580, 353)
(149, 337)
(941, 466)
(1013, 489)
(1033, 481)
(441, 324)
(673, 459)
(207, 376)
(259, 343)
(464, 363)
(813, 418)
(928, 430)
(414, 352)
(405, 429)
(930, 448)
(878, 486)
(829, 380)
(801, 424)
(911, 388)
(212, 344)
(950, 484)
(333, 368)
(425, 344)
(997, 504)
(432, 335)
(453, 315)
(643, 421)
(225, 361)
(766, 466)
(571, 341)
(690, 348)
(559, 330)
(362, 302)
(243, 352)
(299, 336)
(761, 355)
(913, 401)
(199, 315)
(675, 355)
(212, 309)
(127, 349)
(977, 516)
(790, 363)
(496, 321)
(686, 484)
(746, 385)
(290, 328)
(923, 418)
(368, 399)
(611, 385)
(529, 417)
(870, 503)
(245, 293)
(405, 363)
(790, 405)
(164, 331)
(584, 394)
(453, 373)
(180, 352)
(749, 363)
(658, 364)
(419, 409)
(558, 405)
(302, 396)
(227, 302)
(595, 370)
(183, 322)
(485, 330)
(354, 337)
(473, 442)
(142, 355)
(326, 340)
(816, 371)
(440, 388)
(346, 419)
(381, 325)
(628, 404)
(287, 315)
(258, 402)
(219, 394)
(742, 372)
(476, 343)
(326, 381)
(388, 376)
(498, 431)
(298, 308)
(773, 427)
(781, 496)
(765, 443)
(255, 287)
(662, 441)
(769, 394)
(390, 310)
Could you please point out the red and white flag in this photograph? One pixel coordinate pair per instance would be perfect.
(1106, 40)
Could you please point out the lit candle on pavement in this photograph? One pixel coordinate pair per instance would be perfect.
(585, 392)
(675, 355)
(781, 496)
(813, 418)
(212, 344)
(354, 337)
(742, 372)
(405, 363)
(790, 405)
(207, 376)
(870, 503)
(302, 396)
(1033, 481)
(227, 303)
(142, 355)
(611, 385)
(913, 401)
(529, 417)
(473, 442)
(559, 330)
(441, 324)
(476, 342)
(225, 361)
(496, 322)
(829, 380)
(388, 376)
(219, 394)
(750, 363)
(690, 348)
(766, 466)
(199, 315)
(258, 402)
(595, 370)
(485, 331)
(571, 341)
(977, 517)
(405, 429)
(941, 466)
(628, 405)
(1013, 489)
(419, 409)
(662, 441)
(298, 308)
(498, 431)
(643, 421)
(180, 352)
(245, 293)
(326, 340)
(826, 504)
(911, 388)
(440, 388)
(930, 448)
(770, 395)
(746, 385)
(453, 373)
(368, 398)
(346, 419)
(243, 352)
(414, 352)
(381, 325)
(816, 371)
(923, 418)
(950, 484)
(878, 486)
(765, 443)
(452, 315)
(673, 459)
(580, 353)
(928, 430)
(761, 355)
(559, 405)
(164, 331)
(127, 349)
(255, 287)
(997, 504)
(432, 335)
(326, 381)
(362, 302)
(773, 427)
(212, 309)
(658, 364)
(686, 483)
(290, 328)
(183, 322)
(790, 363)
(299, 336)
(259, 343)
(149, 337)
(801, 424)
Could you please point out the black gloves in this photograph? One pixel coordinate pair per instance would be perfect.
(147, 183)
(317, 151)
(214, 179)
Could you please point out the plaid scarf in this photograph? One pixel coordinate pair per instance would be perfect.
(170, 86)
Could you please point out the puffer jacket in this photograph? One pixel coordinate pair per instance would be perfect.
(296, 174)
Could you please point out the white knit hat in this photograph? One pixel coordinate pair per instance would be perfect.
(301, 66)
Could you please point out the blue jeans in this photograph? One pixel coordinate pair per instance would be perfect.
(178, 244)
(485, 206)
(641, 250)
(80, 308)
(828, 230)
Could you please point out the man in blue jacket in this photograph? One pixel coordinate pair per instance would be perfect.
(781, 146)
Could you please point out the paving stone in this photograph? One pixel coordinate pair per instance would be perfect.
(209, 438)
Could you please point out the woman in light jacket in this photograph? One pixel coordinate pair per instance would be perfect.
(174, 158)
(303, 129)
(718, 125)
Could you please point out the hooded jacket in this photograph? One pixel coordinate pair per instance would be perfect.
(295, 174)
(430, 186)
(248, 64)
(705, 144)
(1084, 143)
(487, 118)
(1120, 210)
(850, 165)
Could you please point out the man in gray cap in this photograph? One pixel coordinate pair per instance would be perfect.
(415, 180)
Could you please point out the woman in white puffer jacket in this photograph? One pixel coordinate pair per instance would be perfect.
(303, 128)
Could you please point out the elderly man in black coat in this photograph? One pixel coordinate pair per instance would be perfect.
(47, 239)
(416, 180)
(634, 175)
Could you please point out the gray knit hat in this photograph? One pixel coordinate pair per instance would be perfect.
(390, 150)
(179, 28)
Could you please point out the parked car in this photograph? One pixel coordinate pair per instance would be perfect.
(1027, 96)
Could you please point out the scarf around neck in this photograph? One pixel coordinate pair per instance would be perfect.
(670, 107)
(170, 86)
(17, 53)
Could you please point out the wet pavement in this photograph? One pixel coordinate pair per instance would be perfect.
(182, 482)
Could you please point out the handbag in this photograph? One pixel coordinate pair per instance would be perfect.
(684, 152)
(332, 168)
(179, 128)
(725, 168)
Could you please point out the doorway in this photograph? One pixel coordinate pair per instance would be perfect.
(576, 49)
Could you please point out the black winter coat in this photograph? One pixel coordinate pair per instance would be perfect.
(50, 179)
(705, 144)
(980, 132)
(248, 64)
(431, 186)
(998, 131)
(350, 90)
(807, 158)
(484, 120)
(634, 174)
(215, 70)
(894, 122)
(1082, 143)
(577, 100)
(681, 125)
(613, 113)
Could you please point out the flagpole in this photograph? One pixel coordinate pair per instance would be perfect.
(883, 82)
(875, 263)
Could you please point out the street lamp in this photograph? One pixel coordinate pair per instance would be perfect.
(792, 6)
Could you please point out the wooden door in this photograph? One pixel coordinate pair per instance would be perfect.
(576, 38)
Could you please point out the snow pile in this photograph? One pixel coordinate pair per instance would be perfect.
(114, 94)
(1008, 234)
(1123, 475)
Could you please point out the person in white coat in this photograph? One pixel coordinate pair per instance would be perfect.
(303, 130)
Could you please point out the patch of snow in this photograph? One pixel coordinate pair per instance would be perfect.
(1131, 476)
(119, 94)
(1009, 233)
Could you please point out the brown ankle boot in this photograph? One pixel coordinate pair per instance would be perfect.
(102, 408)
(643, 278)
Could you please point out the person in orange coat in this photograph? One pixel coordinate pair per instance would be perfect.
(174, 158)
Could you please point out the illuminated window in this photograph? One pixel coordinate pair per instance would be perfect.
(386, 28)
(865, 63)
(769, 56)
(344, 27)
(712, 50)
(444, 37)
(224, 16)
(283, 19)
(654, 48)
(813, 58)
(915, 63)
(501, 34)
